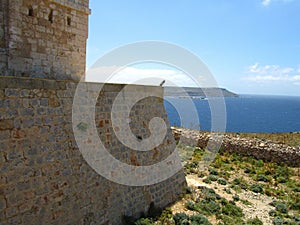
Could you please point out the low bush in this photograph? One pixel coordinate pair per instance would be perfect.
(244, 186)
(272, 213)
(144, 221)
(249, 170)
(181, 219)
(213, 172)
(261, 177)
(279, 221)
(236, 181)
(190, 205)
(207, 180)
(254, 221)
(236, 198)
(280, 206)
(257, 188)
(208, 207)
(213, 177)
(232, 210)
(281, 179)
(222, 181)
(199, 219)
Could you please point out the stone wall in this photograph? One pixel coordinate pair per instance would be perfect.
(43, 38)
(260, 149)
(43, 176)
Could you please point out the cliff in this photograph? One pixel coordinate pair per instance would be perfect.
(197, 92)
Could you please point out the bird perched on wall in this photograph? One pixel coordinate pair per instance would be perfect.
(162, 83)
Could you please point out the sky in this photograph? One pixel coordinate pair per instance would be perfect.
(250, 46)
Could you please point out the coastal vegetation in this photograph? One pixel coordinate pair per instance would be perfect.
(235, 189)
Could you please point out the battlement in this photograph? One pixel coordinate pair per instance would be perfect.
(82, 6)
(44, 38)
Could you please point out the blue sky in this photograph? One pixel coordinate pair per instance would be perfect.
(250, 46)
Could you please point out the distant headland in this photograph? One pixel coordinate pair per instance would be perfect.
(198, 92)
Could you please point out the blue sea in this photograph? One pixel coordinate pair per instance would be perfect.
(246, 113)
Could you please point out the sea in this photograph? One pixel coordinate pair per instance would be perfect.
(246, 113)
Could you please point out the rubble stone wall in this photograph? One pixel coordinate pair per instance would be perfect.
(260, 149)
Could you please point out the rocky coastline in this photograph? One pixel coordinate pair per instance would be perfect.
(260, 149)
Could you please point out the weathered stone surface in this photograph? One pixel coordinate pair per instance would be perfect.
(260, 149)
(45, 39)
(43, 176)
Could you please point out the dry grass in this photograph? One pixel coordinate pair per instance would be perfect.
(292, 139)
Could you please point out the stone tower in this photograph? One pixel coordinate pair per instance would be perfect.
(43, 38)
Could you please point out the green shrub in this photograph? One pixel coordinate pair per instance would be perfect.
(213, 177)
(283, 171)
(236, 198)
(201, 174)
(210, 197)
(296, 189)
(225, 174)
(207, 180)
(236, 181)
(213, 172)
(259, 163)
(294, 203)
(144, 221)
(249, 170)
(191, 167)
(227, 190)
(254, 221)
(280, 206)
(232, 210)
(245, 202)
(261, 177)
(190, 205)
(281, 179)
(223, 201)
(206, 190)
(208, 207)
(188, 190)
(209, 193)
(199, 219)
(257, 188)
(222, 181)
(227, 220)
(166, 215)
(181, 219)
(268, 172)
(272, 213)
(278, 221)
(244, 186)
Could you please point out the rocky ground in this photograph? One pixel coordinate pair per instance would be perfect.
(259, 206)
(234, 189)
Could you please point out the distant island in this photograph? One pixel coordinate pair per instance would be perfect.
(197, 92)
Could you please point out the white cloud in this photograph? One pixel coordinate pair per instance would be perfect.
(268, 2)
(132, 75)
(272, 73)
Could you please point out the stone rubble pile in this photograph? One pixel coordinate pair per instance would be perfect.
(258, 148)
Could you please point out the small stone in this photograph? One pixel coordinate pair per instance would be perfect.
(262, 145)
